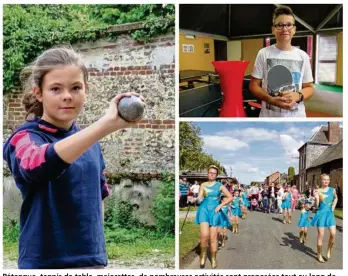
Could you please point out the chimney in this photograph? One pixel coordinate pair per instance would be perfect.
(333, 132)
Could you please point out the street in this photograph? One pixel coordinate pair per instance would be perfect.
(264, 242)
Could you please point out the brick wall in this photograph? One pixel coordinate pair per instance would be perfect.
(130, 70)
(336, 176)
(313, 177)
(14, 112)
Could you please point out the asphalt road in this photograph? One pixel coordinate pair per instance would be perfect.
(264, 242)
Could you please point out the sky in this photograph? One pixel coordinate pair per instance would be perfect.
(256, 149)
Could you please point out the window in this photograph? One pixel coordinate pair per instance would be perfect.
(327, 59)
(302, 159)
(188, 48)
(206, 48)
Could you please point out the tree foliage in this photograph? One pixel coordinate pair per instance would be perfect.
(291, 174)
(163, 208)
(191, 154)
(28, 30)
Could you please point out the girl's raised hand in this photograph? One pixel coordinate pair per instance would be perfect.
(113, 119)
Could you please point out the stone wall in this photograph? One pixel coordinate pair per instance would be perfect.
(121, 66)
(148, 69)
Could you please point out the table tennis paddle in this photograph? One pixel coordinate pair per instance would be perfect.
(279, 79)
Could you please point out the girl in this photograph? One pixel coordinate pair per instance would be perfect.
(302, 200)
(246, 203)
(225, 223)
(303, 221)
(280, 194)
(254, 204)
(236, 206)
(260, 200)
(286, 205)
(325, 201)
(59, 168)
(209, 215)
(295, 194)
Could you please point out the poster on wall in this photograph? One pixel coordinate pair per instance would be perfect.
(188, 48)
(206, 48)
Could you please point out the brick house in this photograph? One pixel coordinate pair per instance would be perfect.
(323, 147)
(274, 177)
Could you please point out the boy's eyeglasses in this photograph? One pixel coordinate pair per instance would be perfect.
(279, 26)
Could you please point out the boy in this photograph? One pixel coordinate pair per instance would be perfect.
(265, 199)
(286, 101)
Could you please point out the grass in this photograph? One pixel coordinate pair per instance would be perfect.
(339, 213)
(189, 238)
(192, 208)
(10, 240)
(10, 250)
(121, 244)
(143, 246)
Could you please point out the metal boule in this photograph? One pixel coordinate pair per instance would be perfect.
(131, 108)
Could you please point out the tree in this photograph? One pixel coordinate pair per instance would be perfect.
(190, 145)
(291, 174)
(191, 154)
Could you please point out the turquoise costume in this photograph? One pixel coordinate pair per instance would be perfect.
(224, 209)
(245, 197)
(287, 201)
(303, 220)
(206, 210)
(225, 221)
(237, 202)
(324, 217)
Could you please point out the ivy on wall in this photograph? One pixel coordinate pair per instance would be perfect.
(28, 30)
